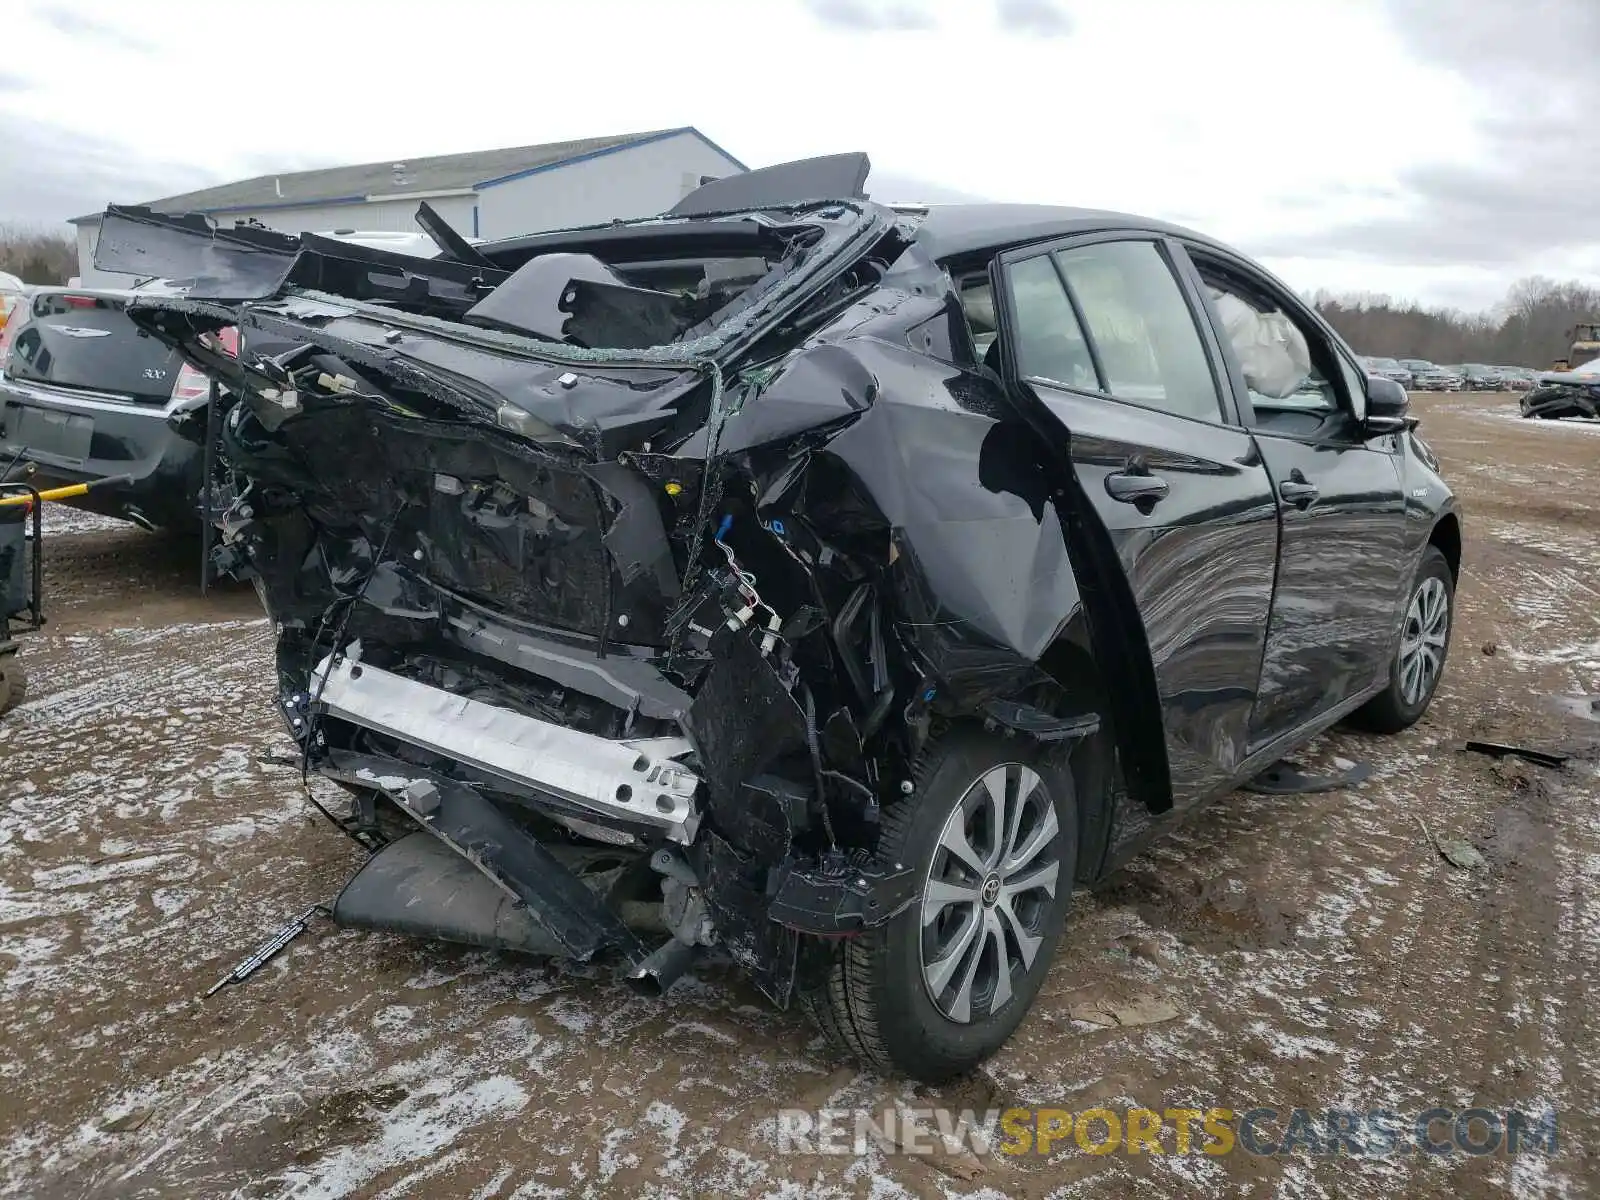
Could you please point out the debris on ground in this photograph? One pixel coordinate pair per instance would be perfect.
(1455, 851)
(1288, 778)
(1540, 758)
(1138, 1009)
(268, 949)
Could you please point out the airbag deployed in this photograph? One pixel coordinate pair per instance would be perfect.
(1272, 352)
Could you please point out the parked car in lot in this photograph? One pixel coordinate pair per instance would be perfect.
(1477, 377)
(836, 584)
(1390, 368)
(1518, 379)
(1428, 377)
(85, 396)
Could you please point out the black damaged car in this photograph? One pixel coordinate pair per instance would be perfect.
(1558, 395)
(831, 584)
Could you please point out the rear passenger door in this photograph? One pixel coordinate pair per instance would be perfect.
(1182, 547)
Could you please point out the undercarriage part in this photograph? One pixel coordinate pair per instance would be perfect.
(1284, 778)
(634, 782)
(683, 910)
(661, 969)
(418, 886)
(839, 895)
(570, 914)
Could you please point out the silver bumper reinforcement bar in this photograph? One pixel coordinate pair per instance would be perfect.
(637, 782)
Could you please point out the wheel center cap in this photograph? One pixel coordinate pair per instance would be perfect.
(991, 890)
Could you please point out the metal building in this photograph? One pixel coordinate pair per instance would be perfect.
(488, 193)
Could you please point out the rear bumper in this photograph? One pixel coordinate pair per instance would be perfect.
(87, 438)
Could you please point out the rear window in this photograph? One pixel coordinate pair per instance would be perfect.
(50, 304)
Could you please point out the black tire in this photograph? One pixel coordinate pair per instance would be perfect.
(874, 1002)
(13, 684)
(1390, 711)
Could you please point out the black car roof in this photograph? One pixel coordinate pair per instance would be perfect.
(954, 230)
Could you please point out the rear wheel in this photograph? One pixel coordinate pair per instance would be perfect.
(13, 683)
(992, 833)
(1419, 658)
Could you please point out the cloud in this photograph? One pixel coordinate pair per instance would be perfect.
(1042, 18)
(891, 187)
(873, 16)
(1530, 193)
(13, 84)
(53, 174)
(73, 24)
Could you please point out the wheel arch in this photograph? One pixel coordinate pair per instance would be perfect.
(1446, 535)
(1097, 761)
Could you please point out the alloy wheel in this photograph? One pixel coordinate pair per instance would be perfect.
(1423, 639)
(990, 885)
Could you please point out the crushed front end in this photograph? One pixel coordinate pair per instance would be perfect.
(597, 571)
(1570, 394)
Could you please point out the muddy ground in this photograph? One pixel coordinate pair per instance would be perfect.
(1315, 949)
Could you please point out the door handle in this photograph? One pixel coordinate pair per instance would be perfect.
(1298, 492)
(1132, 488)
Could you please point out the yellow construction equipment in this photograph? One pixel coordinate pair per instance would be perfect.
(1585, 347)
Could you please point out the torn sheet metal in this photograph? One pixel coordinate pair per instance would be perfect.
(417, 885)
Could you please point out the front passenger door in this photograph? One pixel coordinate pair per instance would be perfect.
(1182, 524)
(1343, 571)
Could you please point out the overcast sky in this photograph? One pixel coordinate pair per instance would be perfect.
(1427, 148)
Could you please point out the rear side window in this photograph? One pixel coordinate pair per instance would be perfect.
(1142, 327)
(1050, 342)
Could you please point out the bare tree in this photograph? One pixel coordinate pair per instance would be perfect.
(36, 255)
(1531, 328)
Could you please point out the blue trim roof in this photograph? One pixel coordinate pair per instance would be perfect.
(662, 136)
(717, 148)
